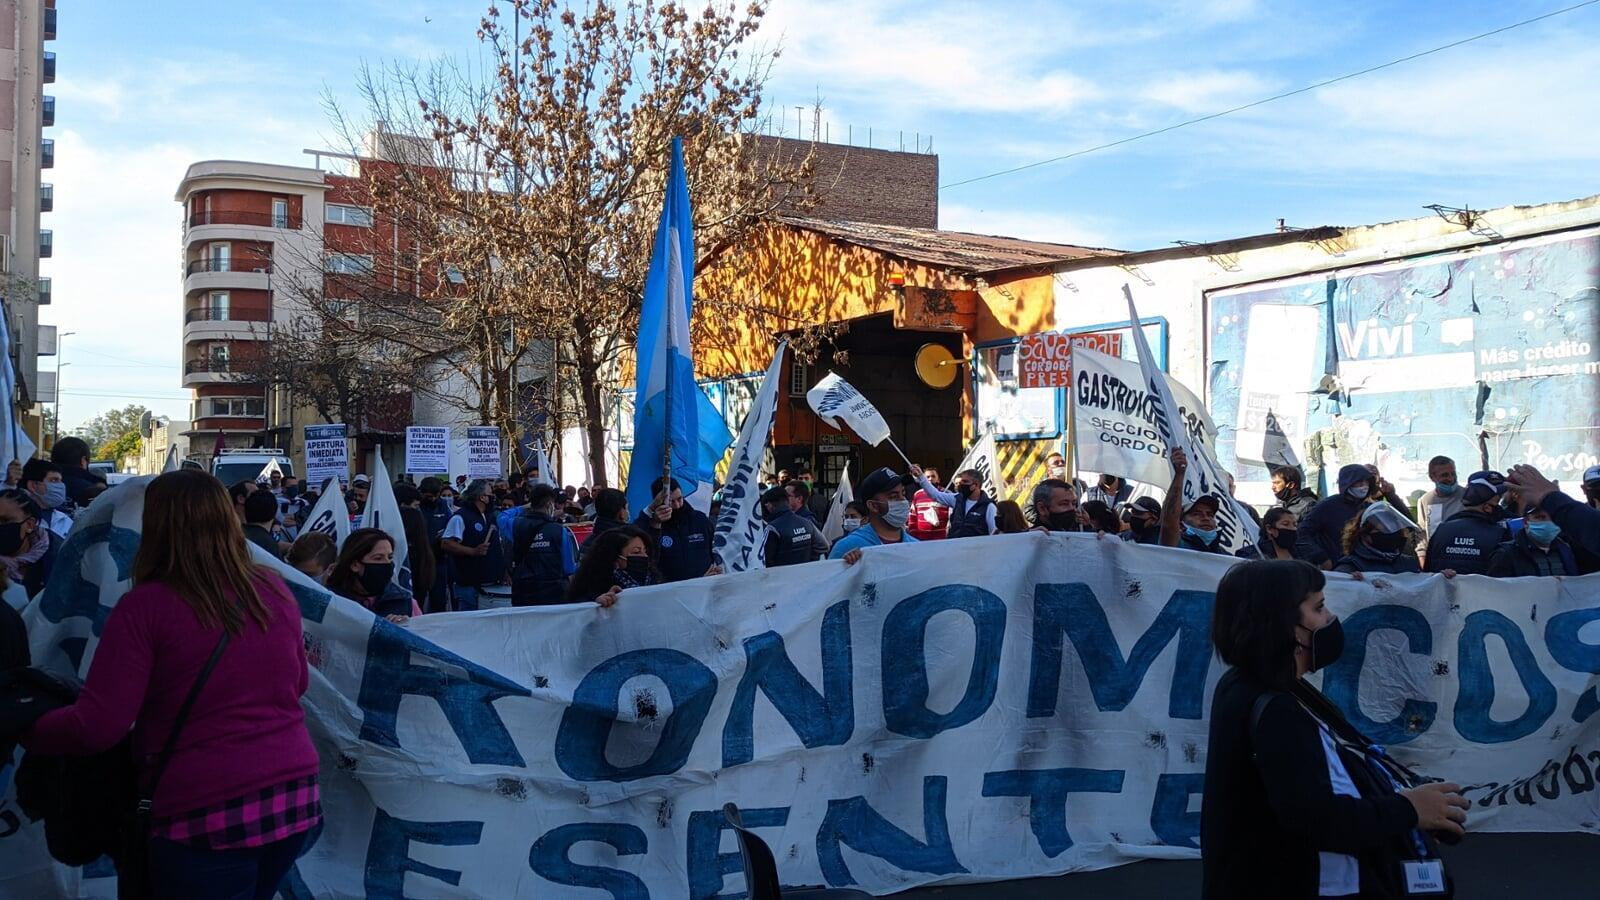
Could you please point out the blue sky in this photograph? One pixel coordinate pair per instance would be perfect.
(144, 89)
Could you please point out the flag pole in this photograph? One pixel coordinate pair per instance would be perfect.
(899, 451)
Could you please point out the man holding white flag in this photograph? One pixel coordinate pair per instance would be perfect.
(383, 513)
(1212, 519)
(736, 541)
(838, 403)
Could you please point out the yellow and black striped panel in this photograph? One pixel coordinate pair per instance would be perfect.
(1022, 465)
(624, 457)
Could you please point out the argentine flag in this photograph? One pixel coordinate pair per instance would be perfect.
(671, 409)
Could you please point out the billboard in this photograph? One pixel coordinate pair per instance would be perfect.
(1487, 355)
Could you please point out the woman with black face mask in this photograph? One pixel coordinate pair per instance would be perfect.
(1380, 539)
(27, 548)
(365, 573)
(1298, 803)
(616, 560)
(1279, 531)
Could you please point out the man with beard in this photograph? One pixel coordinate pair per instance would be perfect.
(1287, 486)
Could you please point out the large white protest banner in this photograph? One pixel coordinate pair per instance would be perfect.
(993, 708)
(327, 455)
(1115, 420)
(839, 404)
(483, 452)
(427, 449)
(1236, 530)
(736, 540)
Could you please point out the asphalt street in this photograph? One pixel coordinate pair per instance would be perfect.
(1484, 866)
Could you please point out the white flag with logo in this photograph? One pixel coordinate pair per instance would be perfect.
(383, 513)
(331, 515)
(737, 538)
(842, 406)
(833, 528)
(1204, 475)
(982, 457)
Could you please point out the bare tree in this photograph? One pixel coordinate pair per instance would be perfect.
(338, 378)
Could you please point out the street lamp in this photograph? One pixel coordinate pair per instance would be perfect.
(60, 352)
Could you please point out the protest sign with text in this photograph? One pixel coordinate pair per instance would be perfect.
(427, 449)
(1114, 427)
(483, 452)
(327, 455)
(992, 708)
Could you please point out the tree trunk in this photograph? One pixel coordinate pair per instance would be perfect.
(594, 409)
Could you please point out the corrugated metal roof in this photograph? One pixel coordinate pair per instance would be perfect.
(950, 249)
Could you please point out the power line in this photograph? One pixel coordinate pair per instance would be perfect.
(1265, 100)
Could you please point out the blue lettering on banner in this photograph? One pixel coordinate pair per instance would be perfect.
(68, 594)
(1472, 719)
(464, 690)
(905, 665)
(389, 851)
(1561, 639)
(548, 858)
(586, 725)
(707, 864)
(1047, 790)
(1072, 610)
(820, 720)
(1341, 682)
(855, 823)
(1170, 817)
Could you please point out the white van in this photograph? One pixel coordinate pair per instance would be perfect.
(234, 466)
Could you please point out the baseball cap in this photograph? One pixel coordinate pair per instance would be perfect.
(775, 495)
(881, 481)
(1591, 474)
(1483, 487)
(1147, 505)
(361, 479)
(1387, 519)
(1208, 499)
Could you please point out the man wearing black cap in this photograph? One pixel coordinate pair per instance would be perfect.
(884, 494)
(971, 512)
(1143, 516)
(791, 538)
(1467, 539)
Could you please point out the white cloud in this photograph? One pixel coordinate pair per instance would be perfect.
(1033, 225)
(1207, 91)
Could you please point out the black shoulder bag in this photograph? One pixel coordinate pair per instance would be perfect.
(133, 869)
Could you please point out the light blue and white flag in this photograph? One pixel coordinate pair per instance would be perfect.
(672, 415)
(383, 512)
(737, 540)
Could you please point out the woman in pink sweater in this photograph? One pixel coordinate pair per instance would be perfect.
(239, 796)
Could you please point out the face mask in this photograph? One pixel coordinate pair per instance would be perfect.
(1360, 491)
(55, 494)
(964, 491)
(1285, 539)
(1541, 532)
(1388, 543)
(897, 513)
(1063, 521)
(1204, 536)
(375, 577)
(1445, 490)
(10, 538)
(1327, 644)
(292, 491)
(851, 525)
(638, 567)
(1286, 494)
